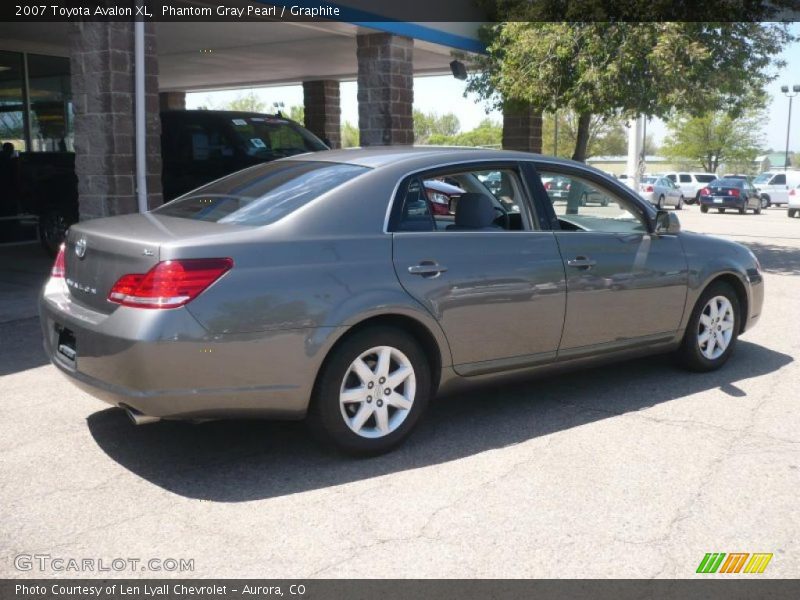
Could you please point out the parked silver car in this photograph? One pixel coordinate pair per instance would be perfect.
(661, 191)
(307, 287)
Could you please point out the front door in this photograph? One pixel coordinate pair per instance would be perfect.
(624, 284)
(496, 286)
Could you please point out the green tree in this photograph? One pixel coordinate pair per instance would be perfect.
(487, 134)
(713, 138)
(430, 124)
(247, 102)
(624, 69)
(297, 113)
(350, 135)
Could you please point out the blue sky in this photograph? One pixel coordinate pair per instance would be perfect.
(431, 94)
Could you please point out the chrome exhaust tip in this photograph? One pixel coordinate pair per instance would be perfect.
(137, 417)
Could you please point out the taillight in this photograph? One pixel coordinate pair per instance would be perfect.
(793, 192)
(548, 185)
(734, 192)
(59, 268)
(170, 283)
(648, 188)
(705, 192)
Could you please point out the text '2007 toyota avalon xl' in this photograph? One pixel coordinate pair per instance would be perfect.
(325, 285)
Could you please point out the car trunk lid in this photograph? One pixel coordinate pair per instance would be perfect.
(99, 252)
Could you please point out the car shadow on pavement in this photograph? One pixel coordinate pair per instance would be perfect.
(21, 347)
(782, 260)
(237, 461)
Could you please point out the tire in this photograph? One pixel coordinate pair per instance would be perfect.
(757, 209)
(680, 204)
(743, 209)
(696, 355)
(720, 210)
(660, 202)
(765, 202)
(329, 410)
(584, 199)
(791, 212)
(53, 225)
(703, 208)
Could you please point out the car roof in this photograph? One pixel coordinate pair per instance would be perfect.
(379, 156)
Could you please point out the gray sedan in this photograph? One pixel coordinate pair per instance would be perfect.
(326, 286)
(661, 191)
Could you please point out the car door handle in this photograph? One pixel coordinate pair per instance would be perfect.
(581, 262)
(427, 269)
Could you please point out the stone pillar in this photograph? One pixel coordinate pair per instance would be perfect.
(522, 127)
(102, 71)
(385, 89)
(172, 100)
(323, 111)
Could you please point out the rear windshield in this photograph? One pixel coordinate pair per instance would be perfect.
(262, 194)
(705, 178)
(728, 182)
(273, 137)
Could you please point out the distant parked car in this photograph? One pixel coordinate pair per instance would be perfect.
(558, 189)
(691, 184)
(443, 196)
(661, 192)
(774, 186)
(794, 201)
(730, 193)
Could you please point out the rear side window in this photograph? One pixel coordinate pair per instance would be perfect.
(705, 178)
(262, 194)
(671, 177)
(685, 178)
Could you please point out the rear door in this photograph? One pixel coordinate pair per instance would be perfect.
(778, 189)
(625, 286)
(497, 291)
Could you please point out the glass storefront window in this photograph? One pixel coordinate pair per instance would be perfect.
(12, 101)
(51, 116)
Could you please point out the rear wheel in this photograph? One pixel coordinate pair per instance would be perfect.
(712, 330)
(791, 212)
(743, 209)
(680, 204)
(703, 208)
(660, 202)
(371, 392)
(757, 209)
(720, 210)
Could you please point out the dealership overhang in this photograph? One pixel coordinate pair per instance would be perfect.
(120, 74)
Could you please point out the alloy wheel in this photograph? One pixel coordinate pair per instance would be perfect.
(715, 327)
(377, 392)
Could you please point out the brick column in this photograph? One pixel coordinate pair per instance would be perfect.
(522, 127)
(172, 100)
(323, 111)
(385, 89)
(102, 69)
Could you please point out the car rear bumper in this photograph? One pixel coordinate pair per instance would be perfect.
(722, 202)
(163, 363)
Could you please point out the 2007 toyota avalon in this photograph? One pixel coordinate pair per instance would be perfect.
(326, 286)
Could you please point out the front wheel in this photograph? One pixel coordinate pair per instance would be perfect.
(371, 392)
(791, 212)
(703, 208)
(712, 330)
(765, 202)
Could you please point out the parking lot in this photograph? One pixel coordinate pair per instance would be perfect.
(634, 470)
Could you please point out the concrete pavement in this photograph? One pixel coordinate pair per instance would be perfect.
(632, 470)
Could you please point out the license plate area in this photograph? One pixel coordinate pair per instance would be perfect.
(718, 200)
(66, 346)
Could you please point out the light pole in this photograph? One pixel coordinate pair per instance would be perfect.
(785, 90)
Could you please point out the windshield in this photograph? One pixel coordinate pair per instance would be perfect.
(262, 194)
(273, 137)
(763, 178)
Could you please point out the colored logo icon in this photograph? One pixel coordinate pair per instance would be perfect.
(736, 562)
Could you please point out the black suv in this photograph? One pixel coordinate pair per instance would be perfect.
(197, 146)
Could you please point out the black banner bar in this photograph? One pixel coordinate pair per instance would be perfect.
(728, 588)
(366, 11)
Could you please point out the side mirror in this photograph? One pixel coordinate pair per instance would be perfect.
(667, 223)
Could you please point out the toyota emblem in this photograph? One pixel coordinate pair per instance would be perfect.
(80, 247)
